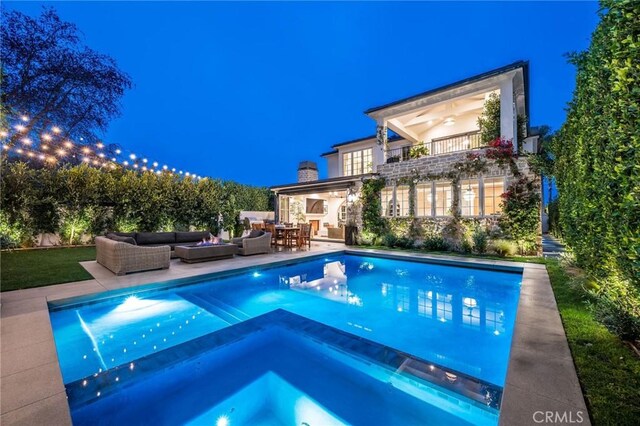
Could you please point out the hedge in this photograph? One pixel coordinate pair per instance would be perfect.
(76, 201)
(598, 148)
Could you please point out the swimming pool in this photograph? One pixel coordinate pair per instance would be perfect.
(459, 318)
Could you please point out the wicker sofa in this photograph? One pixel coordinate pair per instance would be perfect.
(121, 258)
(259, 243)
(156, 239)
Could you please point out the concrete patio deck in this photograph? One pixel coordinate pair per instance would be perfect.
(541, 376)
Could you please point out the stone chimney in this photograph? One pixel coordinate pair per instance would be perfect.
(307, 171)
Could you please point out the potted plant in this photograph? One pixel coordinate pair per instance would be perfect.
(418, 151)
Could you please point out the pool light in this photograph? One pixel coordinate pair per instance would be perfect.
(222, 421)
(256, 274)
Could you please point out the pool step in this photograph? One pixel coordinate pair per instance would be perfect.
(217, 307)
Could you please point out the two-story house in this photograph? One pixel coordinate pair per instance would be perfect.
(443, 123)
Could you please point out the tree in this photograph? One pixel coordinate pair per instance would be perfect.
(489, 120)
(52, 78)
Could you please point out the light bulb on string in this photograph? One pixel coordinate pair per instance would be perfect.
(47, 137)
(56, 129)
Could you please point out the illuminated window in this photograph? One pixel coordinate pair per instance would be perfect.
(444, 195)
(470, 197)
(284, 209)
(425, 303)
(346, 164)
(424, 198)
(386, 196)
(357, 162)
(493, 189)
(367, 161)
(402, 201)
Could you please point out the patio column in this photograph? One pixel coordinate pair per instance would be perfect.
(508, 115)
(381, 136)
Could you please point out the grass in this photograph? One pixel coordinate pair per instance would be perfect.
(35, 268)
(609, 371)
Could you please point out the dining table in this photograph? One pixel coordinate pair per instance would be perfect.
(289, 235)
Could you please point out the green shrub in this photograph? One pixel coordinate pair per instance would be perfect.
(404, 242)
(480, 240)
(389, 240)
(434, 243)
(504, 248)
(618, 317)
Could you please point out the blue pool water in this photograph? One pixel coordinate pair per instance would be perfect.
(458, 318)
(272, 377)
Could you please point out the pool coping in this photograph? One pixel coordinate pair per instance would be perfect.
(35, 392)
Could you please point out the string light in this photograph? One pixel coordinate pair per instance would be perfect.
(88, 155)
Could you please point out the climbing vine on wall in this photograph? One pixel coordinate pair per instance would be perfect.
(372, 220)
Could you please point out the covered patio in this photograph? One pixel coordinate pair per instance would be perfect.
(324, 204)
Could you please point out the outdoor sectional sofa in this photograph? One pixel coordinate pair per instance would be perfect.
(124, 252)
(171, 239)
(122, 257)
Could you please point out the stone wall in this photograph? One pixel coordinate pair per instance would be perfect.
(439, 164)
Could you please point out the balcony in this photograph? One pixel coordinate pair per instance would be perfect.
(438, 146)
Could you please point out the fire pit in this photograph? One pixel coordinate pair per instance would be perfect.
(205, 252)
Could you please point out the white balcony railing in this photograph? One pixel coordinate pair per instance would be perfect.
(445, 145)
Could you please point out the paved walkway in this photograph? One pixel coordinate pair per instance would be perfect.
(551, 247)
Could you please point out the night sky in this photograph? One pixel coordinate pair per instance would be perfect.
(245, 91)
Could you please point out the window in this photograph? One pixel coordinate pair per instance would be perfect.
(470, 197)
(386, 196)
(444, 194)
(357, 162)
(402, 201)
(367, 161)
(284, 209)
(424, 199)
(346, 164)
(493, 188)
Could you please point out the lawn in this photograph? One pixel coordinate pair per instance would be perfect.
(36, 268)
(608, 370)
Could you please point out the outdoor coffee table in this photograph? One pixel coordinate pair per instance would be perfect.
(195, 254)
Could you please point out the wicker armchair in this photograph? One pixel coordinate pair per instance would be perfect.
(257, 245)
(121, 258)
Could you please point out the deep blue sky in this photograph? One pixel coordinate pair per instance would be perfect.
(245, 91)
